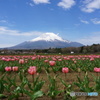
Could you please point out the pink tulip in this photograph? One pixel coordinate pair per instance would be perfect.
(32, 67)
(73, 59)
(32, 70)
(59, 59)
(45, 61)
(54, 59)
(96, 69)
(7, 68)
(38, 56)
(15, 68)
(52, 63)
(91, 59)
(65, 70)
(4, 59)
(26, 60)
(75, 62)
(7, 59)
(33, 58)
(65, 58)
(21, 61)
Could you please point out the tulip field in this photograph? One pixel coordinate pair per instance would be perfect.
(49, 77)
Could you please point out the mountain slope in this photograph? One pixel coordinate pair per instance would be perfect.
(45, 41)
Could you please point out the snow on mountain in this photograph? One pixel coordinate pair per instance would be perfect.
(48, 37)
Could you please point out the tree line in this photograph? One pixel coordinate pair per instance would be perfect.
(95, 48)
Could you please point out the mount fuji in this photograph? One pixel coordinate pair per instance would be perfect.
(45, 41)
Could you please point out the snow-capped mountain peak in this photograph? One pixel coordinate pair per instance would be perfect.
(46, 41)
(49, 37)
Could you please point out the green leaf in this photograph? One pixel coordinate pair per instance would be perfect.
(36, 80)
(79, 80)
(77, 84)
(63, 82)
(38, 86)
(30, 86)
(11, 81)
(27, 92)
(37, 94)
(1, 86)
(2, 96)
(11, 97)
(24, 82)
(20, 75)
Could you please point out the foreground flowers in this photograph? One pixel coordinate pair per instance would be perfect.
(65, 70)
(32, 70)
(8, 69)
(23, 80)
(96, 69)
(15, 68)
(52, 63)
(21, 61)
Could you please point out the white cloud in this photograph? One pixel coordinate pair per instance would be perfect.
(10, 37)
(31, 4)
(89, 40)
(3, 21)
(7, 31)
(41, 1)
(90, 5)
(84, 21)
(96, 21)
(66, 4)
(6, 45)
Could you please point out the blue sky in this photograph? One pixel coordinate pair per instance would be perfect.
(74, 20)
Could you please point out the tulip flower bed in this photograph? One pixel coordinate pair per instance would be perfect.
(49, 77)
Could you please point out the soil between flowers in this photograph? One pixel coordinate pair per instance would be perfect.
(70, 78)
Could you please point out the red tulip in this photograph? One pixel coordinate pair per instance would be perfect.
(65, 70)
(15, 68)
(52, 63)
(7, 68)
(96, 69)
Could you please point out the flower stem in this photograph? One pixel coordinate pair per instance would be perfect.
(65, 76)
(33, 79)
(97, 74)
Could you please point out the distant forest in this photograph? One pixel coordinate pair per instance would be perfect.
(95, 48)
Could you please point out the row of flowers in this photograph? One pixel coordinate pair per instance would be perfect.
(55, 58)
(32, 69)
